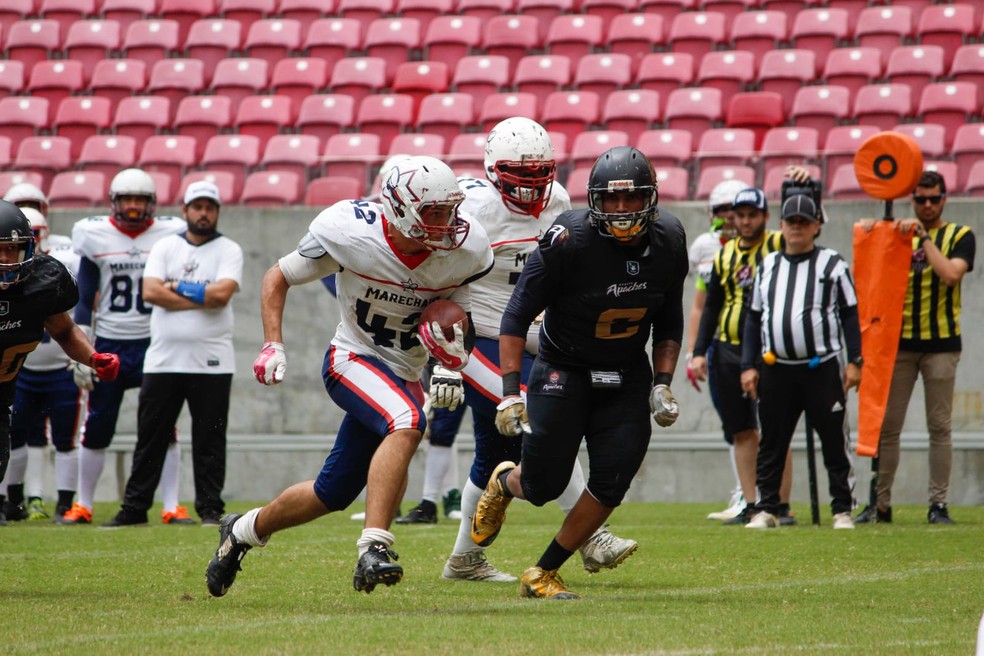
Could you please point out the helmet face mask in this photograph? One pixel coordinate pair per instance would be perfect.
(623, 172)
(519, 161)
(39, 226)
(420, 197)
(127, 185)
(15, 229)
(720, 205)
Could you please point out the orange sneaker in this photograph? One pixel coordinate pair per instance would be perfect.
(179, 516)
(77, 514)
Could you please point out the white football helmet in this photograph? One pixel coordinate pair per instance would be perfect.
(414, 187)
(39, 226)
(519, 161)
(383, 172)
(133, 182)
(25, 194)
(724, 194)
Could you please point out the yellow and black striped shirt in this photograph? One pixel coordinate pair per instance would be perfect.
(931, 316)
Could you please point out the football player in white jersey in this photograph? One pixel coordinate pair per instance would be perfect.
(516, 204)
(114, 252)
(391, 259)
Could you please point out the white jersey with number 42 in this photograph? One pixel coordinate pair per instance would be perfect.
(382, 293)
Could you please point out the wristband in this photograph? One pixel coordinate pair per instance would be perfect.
(510, 384)
(193, 291)
(923, 239)
(662, 378)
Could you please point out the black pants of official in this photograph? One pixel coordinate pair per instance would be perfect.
(785, 392)
(160, 402)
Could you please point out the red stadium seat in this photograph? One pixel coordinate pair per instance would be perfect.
(270, 189)
(635, 35)
(710, 176)
(729, 71)
(78, 189)
(32, 41)
(299, 77)
(393, 40)
(80, 117)
(325, 192)
(791, 8)
(203, 117)
(930, 138)
(22, 117)
(117, 79)
(56, 80)
(306, 11)
(10, 178)
(14, 11)
(172, 154)
(632, 111)
(425, 11)
(570, 112)
(151, 40)
(480, 76)
(186, 12)
(107, 153)
(884, 28)
(264, 116)
(758, 111)
(385, 116)
(446, 114)
(574, 36)
(731, 9)
(66, 12)
(544, 11)
(486, 10)
(224, 180)
(843, 184)
(452, 38)
(783, 146)
(126, 12)
(90, 41)
(915, 66)
(177, 78)
(821, 107)
(774, 177)
(11, 76)
(589, 146)
(665, 72)
(975, 180)
(326, 115)
(351, 155)
(165, 188)
(292, 152)
(248, 12)
(666, 9)
(608, 10)
(6, 154)
(968, 148)
(234, 154)
(759, 32)
(946, 169)
(420, 80)
(949, 104)
(842, 142)
(820, 31)
(240, 77)
(467, 154)
(667, 147)
(358, 77)
(853, 68)
(947, 26)
(213, 39)
(417, 143)
(513, 37)
(785, 71)
(674, 183)
(44, 155)
(968, 66)
(542, 75)
(852, 7)
(603, 73)
(500, 106)
(366, 11)
(577, 185)
(333, 39)
(142, 116)
(725, 147)
(561, 151)
(695, 109)
(883, 105)
(697, 32)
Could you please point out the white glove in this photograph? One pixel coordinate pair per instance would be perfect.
(84, 376)
(664, 407)
(452, 355)
(446, 388)
(270, 365)
(510, 418)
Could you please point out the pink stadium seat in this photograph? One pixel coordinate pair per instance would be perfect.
(165, 188)
(968, 66)
(126, 12)
(306, 11)
(500, 106)
(577, 185)
(574, 36)
(570, 112)
(248, 12)
(632, 111)
(608, 10)
(968, 148)
(11, 76)
(44, 155)
(421, 79)
(325, 192)
(107, 153)
(725, 147)
(270, 189)
(915, 66)
(667, 147)
(560, 145)
(351, 155)
(452, 38)
(14, 11)
(758, 111)
(385, 116)
(843, 184)
(467, 153)
(485, 10)
(695, 109)
(512, 37)
(264, 116)
(789, 7)
(542, 75)
(80, 117)
(224, 180)
(10, 178)
(186, 12)
(853, 68)
(820, 30)
(393, 40)
(480, 76)
(930, 138)
(173, 154)
(213, 39)
(884, 28)
(446, 114)
(292, 152)
(947, 26)
(544, 11)
(6, 155)
(56, 80)
(665, 72)
(842, 142)
(424, 11)
(358, 77)
(151, 40)
(603, 73)
(142, 116)
(366, 11)
(666, 9)
(731, 9)
(774, 177)
(117, 79)
(821, 107)
(946, 169)
(852, 7)
(90, 41)
(974, 186)
(326, 115)
(23, 117)
(758, 32)
(240, 77)
(417, 143)
(299, 77)
(78, 189)
(332, 39)
(176, 78)
(674, 182)
(589, 146)
(783, 146)
(949, 104)
(203, 117)
(234, 154)
(883, 105)
(635, 35)
(785, 71)
(710, 176)
(729, 71)
(697, 32)
(32, 41)
(66, 12)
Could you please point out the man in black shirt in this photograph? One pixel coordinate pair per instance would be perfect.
(608, 278)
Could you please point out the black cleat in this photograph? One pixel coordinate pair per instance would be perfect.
(376, 566)
(938, 514)
(743, 517)
(126, 518)
(225, 564)
(3, 519)
(15, 512)
(425, 513)
(786, 516)
(872, 515)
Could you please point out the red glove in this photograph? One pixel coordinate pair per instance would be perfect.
(106, 365)
(692, 378)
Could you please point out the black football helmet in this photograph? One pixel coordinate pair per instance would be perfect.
(622, 170)
(15, 228)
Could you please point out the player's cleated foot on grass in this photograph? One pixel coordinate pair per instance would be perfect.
(452, 504)
(491, 509)
(77, 514)
(473, 566)
(424, 513)
(15, 512)
(36, 509)
(179, 516)
(376, 566)
(604, 550)
(226, 563)
(873, 515)
(544, 584)
(763, 520)
(844, 521)
(126, 518)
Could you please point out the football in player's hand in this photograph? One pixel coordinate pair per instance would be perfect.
(446, 313)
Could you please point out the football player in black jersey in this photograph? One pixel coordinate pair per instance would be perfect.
(36, 293)
(610, 278)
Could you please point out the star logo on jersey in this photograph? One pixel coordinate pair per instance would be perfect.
(409, 285)
(135, 252)
(632, 267)
(4, 308)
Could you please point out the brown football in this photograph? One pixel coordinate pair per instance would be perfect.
(446, 313)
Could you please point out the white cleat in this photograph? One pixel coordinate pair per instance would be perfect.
(473, 566)
(604, 550)
(736, 505)
(843, 521)
(763, 520)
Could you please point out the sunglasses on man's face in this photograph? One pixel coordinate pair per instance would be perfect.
(934, 200)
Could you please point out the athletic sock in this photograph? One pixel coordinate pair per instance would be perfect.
(372, 535)
(469, 501)
(435, 470)
(244, 530)
(91, 462)
(553, 557)
(170, 477)
(34, 477)
(67, 470)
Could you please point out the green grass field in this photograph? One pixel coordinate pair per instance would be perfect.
(693, 588)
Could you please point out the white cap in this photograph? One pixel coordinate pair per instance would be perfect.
(202, 189)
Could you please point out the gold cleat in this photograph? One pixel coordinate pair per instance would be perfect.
(538, 583)
(491, 509)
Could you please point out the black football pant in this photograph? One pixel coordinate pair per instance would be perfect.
(7, 391)
(160, 402)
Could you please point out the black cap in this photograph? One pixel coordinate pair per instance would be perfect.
(799, 205)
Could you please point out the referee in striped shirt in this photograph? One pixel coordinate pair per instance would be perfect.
(804, 312)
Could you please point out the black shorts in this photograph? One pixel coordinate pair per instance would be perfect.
(737, 412)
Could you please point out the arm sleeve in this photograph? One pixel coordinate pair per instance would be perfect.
(668, 325)
(751, 343)
(88, 279)
(852, 332)
(712, 309)
(299, 270)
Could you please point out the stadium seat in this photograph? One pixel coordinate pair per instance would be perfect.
(968, 66)
(883, 105)
(90, 41)
(325, 192)
(560, 146)
(325, 115)
(393, 40)
(366, 11)
(697, 32)
(446, 114)
(126, 12)
(725, 147)
(947, 26)
(783, 146)
(385, 115)
(173, 154)
(186, 12)
(142, 116)
(732, 9)
(333, 39)
(574, 36)
(844, 185)
(78, 189)
(542, 75)
(785, 71)
(22, 117)
(151, 40)
(758, 111)
(842, 142)
(915, 66)
(968, 148)
(271, 189)
(544, 11)
(66, 12)
(358, 77)
(853, 7)
(297, 78)
(729, 71)
(452, 38)
(211, 40)
(351, 155)
(263, 116)
(56, 80)
(11, 77)
(950, 104)
(297, 153)
(6, 154)
(80, 117)
(632, 111)
(14, 11)
(164, 185)
(774, 177)
(577, 185)
(666, 9)
(666, 148)
(791, 8)
(203, 117)
(306, 11)
(486, 10)
(417, 143)
(608, 10)
(232, 153)
(224, 180)
(695, 109)
(974, 186)
(425, 11)
(589, 146)
(674, 183)
(603, 73)
(884, 28)
(710, 176)
(107, 153)
(853, 68)
(176, 78)
(10, 178)
(480, 76)
(758, 32)
(512, 37)
(930, 138)
(820, 30)
(821, 107)
(239, 77)
(44, 155)
(665, 72)
(421, 79)
(248, 12)
(32, 41)
(570, 112)
(635, 35)
(500, 106)
(116, 79)
(466, 154)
